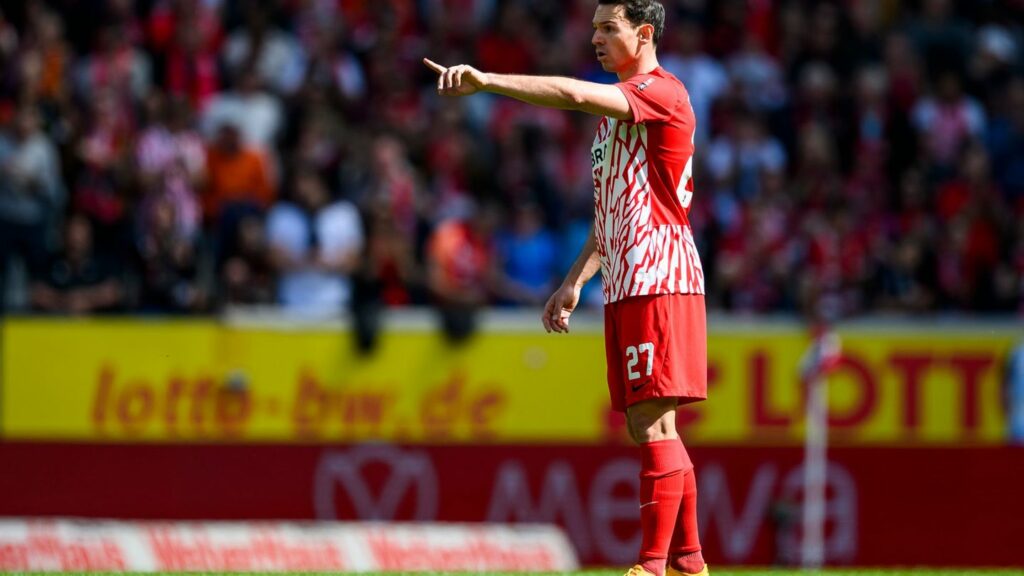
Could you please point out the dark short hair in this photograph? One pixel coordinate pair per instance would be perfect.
(642, 12)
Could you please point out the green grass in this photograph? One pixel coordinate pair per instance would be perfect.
(714, 572)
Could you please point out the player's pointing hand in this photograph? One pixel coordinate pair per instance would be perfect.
(459, 80)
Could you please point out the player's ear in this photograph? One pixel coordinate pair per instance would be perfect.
(646, 33)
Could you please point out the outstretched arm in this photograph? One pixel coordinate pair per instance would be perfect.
(548, 91)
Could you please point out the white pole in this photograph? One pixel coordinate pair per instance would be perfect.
(819, 360)
(815, 463)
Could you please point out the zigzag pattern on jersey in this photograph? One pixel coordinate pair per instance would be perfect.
(638, 258)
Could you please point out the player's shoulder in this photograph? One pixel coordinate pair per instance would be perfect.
(659, 84)
(659, 77)
(656, 96)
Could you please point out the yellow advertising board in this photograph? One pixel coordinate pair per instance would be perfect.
(186, 381)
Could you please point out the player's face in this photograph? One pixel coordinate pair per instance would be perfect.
(615, 39)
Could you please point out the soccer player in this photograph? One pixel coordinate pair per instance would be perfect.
(655, 335)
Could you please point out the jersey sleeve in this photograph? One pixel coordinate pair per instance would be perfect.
(651, 99)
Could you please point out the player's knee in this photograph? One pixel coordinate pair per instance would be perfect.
(651, 421)
(643, 432)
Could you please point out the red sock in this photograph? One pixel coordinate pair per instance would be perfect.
(691, 563)
(661, 488)
(684, 553)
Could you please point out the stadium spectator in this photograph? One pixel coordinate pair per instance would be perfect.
(705, 78)
(527, 254)
(1005, 143)
(315, 243)
(994, 61)
(247, 275)
(869, 135)
(510, 46)
(239, 177)
(273, 54)
(255, 112)
(393, 183)
(460, 266)
(757, 76)
(77, 279)
(31, 194)
(390, 273)
(906, 277)
(171, 161)
(102, 189)
(942, 39)
(736, 159)
(117, 67)
(186, 35)
(325, 61)
(168, 263)
(322, 141)
(947, 121)
(451, 159)
(8, 38)
(168, 18)
(971, 200)
(45, 62)
(866, 42)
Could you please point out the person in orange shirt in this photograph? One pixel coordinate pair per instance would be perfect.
(461, 268)
(237, 176)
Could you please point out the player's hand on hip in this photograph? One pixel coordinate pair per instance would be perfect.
(558, 309)
(459, 80)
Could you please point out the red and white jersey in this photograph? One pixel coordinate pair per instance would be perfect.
(643, 184)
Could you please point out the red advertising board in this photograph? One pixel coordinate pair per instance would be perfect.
(886, 506)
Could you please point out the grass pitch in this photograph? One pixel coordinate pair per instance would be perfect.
(715, 572)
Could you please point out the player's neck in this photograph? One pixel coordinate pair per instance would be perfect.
(645, 64)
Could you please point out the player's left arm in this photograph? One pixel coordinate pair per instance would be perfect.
(548, 91)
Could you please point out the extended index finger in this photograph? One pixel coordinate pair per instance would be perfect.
(434, 65)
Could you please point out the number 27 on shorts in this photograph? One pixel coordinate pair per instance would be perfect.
(633, 357)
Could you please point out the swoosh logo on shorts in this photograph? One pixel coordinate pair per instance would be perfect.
(637, 387)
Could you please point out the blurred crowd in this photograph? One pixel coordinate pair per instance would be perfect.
(180, 156)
